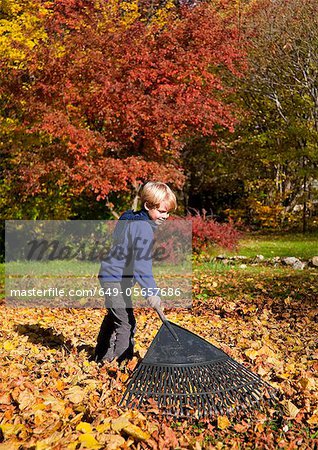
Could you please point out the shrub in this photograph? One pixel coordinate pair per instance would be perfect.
(206, 232)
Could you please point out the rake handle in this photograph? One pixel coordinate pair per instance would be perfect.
(166, 322)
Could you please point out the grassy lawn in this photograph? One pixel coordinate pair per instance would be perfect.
(284, 244)
(303, 246)
(216, 267)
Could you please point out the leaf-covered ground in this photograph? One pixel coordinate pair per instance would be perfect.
(52, 397)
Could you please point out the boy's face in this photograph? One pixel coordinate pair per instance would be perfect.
(158, 215)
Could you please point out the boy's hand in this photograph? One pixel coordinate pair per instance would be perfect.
(154, 301)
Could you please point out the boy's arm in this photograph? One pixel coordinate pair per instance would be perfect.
(142, 240)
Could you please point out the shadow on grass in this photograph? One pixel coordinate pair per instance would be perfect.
(295, 287)
(274, 283)
(285, 292)
(48, 337)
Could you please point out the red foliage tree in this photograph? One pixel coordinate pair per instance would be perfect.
(115, 103)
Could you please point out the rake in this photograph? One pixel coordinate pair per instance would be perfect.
(186, 376)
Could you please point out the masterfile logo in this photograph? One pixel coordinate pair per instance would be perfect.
(57, 263)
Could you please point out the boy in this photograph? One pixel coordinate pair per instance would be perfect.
(128, 262)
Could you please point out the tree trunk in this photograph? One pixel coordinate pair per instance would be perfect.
(305, 204)
(136, 198)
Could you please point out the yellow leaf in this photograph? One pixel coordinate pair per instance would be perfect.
(9, 429)
(40, 417)
(84, 427)
(284, 375)
(151, 427)
(72, 445)
(290, 368)
(42, 445)
(120, 423)
(259, 427)
(216, 323)
(252, 354)
(83, 301)
(124, 377)
(136, 432)
(223, 422)
(77, 418)
(296, 348)
(276, 362)
(60, 385)
(38, 407)
(7, 345)
(89, 441)
(265, 350)
(103, 427)
(313, 420)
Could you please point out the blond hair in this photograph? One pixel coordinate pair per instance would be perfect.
(155, 192)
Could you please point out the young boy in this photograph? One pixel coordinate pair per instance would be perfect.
(129, 262)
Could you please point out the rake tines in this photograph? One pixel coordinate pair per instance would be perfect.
(191, 377)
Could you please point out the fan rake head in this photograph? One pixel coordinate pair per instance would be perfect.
(193, 378)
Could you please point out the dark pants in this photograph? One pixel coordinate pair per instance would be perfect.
(116, 335)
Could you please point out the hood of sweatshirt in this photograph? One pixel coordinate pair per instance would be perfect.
(138, 215)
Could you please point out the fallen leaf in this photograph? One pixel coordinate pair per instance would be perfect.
(252, 354)
(132, 363)
(25, 399)
(75, 394)
(307, 383)
(113, 441)
(120, 423)
(5, 399)
(7, 345)
(60, 385)
(290, 409)
(136, 432)
(313, 420)
(84, 427)
(240, 428)
(124, 377)
(259, 427)
(89, 441)
(101, 428)
(223, 422)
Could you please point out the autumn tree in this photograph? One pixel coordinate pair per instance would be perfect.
(21, 30)
(265, 172)
(280, 91)
(115, 97)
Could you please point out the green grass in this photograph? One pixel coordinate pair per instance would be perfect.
(218, 268)
(77, 268)
(303, 246)
(73, 274)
